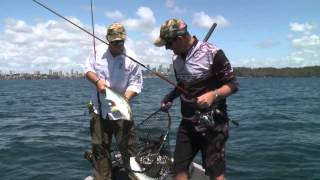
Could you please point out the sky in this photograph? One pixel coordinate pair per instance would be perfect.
(252, 33)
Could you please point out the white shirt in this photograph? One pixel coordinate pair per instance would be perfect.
(121, 74)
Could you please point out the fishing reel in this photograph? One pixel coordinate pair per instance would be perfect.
(210, 119)
(206, 118)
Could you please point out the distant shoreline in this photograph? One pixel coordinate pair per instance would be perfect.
(312, 71)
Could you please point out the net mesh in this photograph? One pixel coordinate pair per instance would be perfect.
(154, 156)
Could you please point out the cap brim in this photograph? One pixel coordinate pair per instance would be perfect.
(117, 39)
(159, 42)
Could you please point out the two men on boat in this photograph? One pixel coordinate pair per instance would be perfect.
(201, 69)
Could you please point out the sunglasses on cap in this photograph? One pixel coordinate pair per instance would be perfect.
(117, 43)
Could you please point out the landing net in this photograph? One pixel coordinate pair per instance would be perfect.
(154, 156)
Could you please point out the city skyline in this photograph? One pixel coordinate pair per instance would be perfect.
(161, 68)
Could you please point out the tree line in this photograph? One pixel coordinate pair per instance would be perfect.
(276, 72)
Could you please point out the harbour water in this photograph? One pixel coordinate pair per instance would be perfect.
(44, 128)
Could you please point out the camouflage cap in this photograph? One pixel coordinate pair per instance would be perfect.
(170, 30)
(116, 32)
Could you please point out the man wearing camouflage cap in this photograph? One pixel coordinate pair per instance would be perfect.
(108, 67)
(205, 73)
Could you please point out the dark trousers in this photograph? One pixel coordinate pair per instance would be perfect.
(101, 139)
(211, 145)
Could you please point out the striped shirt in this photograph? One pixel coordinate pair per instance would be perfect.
(202, 69)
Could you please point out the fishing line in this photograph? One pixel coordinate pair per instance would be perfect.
(86, 31)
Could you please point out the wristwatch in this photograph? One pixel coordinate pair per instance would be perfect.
(96, 81)
(216, 94)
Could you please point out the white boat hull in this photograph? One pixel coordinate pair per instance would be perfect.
(196, 172)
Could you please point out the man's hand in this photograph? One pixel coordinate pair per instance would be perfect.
(101, 85)
(165, 106)
(206, 99)
(128, 95)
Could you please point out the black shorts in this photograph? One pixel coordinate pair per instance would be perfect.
(212, 147)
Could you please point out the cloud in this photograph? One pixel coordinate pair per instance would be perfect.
(298, 27)
(201, 19)
(300, 58)
(154, 34)
(144, 23)
(268, 43)
(311, 41)
(115, 15)
(43, 46)
(306, 45)
(18, 26)
(150, 54)
(305, 50)
(170, 4)
(63, 60)
(59, 46)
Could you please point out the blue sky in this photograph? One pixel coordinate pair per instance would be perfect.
(253, 33)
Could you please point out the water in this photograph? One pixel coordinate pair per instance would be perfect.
(44, 129)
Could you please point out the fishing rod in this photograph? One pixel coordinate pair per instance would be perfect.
(92, 24)
(86, 31)
(95, 37)
(214, 25)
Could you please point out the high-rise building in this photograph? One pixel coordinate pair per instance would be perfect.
(37, 73)
(171, 71)
(160, 68)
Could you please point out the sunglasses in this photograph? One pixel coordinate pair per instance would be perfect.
(169, 43)
(117, 43)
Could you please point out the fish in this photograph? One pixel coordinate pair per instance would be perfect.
(136, 167)
(119, 106)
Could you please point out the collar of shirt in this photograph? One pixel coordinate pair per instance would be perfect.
(185, 55)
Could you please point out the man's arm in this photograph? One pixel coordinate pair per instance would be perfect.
(129, 94)
(91, 75)
(166, 102)
(208, 98)
(135, 83)
(101, 84)
(225, 76)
